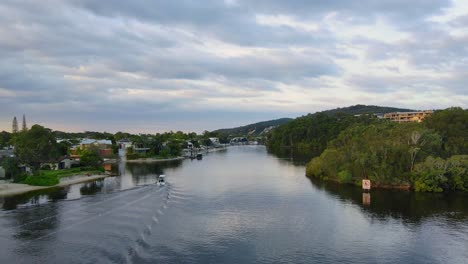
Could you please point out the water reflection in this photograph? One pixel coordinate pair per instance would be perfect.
(237, 206)
(408, 206)
(91, 188)
(32, 198)
(131, 175)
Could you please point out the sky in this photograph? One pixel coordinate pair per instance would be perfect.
(153, 66)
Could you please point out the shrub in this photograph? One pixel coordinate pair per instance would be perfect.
(19, 178)
(345, 176)
(90, 159)
(42, 180)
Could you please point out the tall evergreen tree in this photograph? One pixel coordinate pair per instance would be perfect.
(15, 125)
(24, 128)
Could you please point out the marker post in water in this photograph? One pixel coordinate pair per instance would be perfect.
(366, 186)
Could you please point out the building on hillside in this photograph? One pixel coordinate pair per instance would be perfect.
(404, 117)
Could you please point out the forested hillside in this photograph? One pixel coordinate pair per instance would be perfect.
(307, 136)
(365, 109)
(431, 156)
(255, 129)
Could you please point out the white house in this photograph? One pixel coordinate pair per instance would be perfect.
(215, 141)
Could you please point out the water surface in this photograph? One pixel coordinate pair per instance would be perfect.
(240, 205)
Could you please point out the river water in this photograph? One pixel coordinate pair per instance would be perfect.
(240, 205)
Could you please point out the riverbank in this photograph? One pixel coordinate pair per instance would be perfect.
(400, 187)
(144, 160)
(9, 189)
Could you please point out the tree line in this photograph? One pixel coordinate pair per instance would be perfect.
(431, 156)
(39, 145)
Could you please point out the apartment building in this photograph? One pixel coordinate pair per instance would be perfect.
(403, 117)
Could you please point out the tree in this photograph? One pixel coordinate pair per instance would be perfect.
(24, 126)
(5, 138)
(10, 165)
(15, 125)
(385, 153)
(90, 159)
(35, 146)
(452, 125)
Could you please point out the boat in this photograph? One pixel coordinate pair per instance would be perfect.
(162, 180)
(199, 156)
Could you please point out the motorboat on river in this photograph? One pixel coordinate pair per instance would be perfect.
(162, 180)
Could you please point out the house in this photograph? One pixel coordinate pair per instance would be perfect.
(124, 144)
(64, 162)
(7, 152)
(140, 149)
(96, 143)
(104, 146)
(214, 141)
(239, 141)
(404, 117)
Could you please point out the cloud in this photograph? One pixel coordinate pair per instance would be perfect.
(88, 63)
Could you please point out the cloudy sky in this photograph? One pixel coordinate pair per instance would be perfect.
(148, 66)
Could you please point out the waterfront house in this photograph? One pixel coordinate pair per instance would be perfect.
(64, 162)
(214, 141)
(124, 144)
(239, 141)
(140, 149)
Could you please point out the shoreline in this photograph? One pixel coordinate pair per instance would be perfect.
(378, 186)
(145, 160)
(11, 189)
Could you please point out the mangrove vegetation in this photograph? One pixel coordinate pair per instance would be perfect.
(431, 156)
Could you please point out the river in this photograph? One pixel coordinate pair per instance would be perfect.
(240, 205)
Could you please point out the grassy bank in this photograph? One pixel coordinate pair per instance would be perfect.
(52, 177)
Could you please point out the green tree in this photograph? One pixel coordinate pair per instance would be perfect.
(308, 136)
(5, 138)
(10, 165)
(90, 159)
(36, 145)
(383, 152)
(452, 125)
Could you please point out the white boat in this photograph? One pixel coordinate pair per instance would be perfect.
(162, 180)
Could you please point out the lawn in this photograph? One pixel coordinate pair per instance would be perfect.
(52, 177)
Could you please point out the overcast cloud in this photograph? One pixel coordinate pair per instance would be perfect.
(152, 66)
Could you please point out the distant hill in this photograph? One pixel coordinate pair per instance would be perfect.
(365, 109)
(264, 127)
(256, 129)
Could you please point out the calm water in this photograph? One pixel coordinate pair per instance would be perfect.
(236, 206)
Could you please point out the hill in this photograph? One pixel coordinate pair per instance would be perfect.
(365, 109)
(255, 129)
(309, 135)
